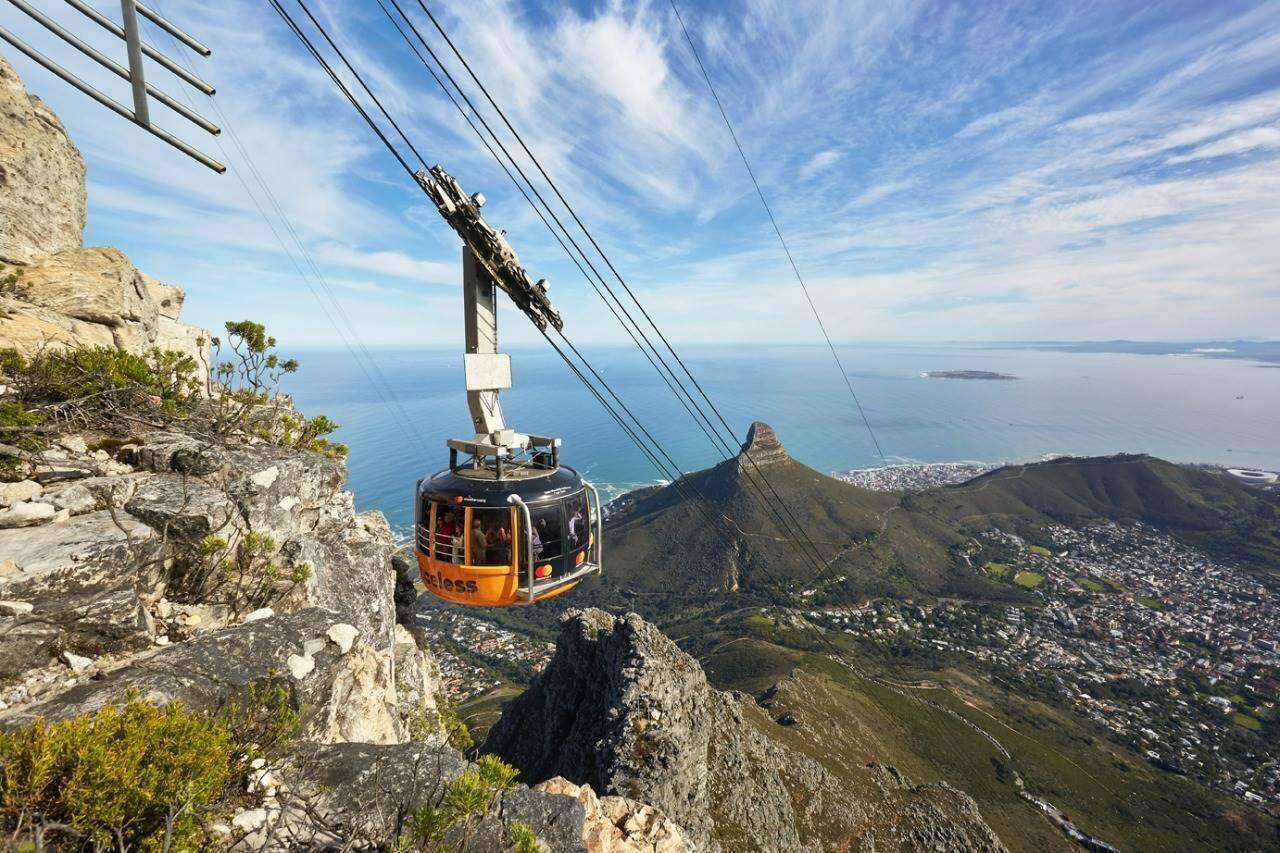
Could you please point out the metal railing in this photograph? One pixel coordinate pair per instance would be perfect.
(134, 74)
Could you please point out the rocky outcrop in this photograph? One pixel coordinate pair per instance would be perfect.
(42, 196)
(622, 709)
(63, 295)
(333, 676)
(761, 447)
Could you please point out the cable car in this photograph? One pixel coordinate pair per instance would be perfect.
(505, 523)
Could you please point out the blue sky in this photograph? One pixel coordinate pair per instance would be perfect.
(942, 170)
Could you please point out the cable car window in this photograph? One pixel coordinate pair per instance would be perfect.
(546, 534)
(577, 521)
(447, 539)
(490, 536)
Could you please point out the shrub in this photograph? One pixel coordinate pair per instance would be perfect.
(464, 799)
(132, 777)
(523, 839)
(95, 384)
(261, 722)
(11, 283)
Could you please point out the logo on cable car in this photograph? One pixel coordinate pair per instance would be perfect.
(438, 580)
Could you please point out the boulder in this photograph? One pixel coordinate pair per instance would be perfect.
(27, 514)
(42, 193)
(23, 490)
(87, 623)
(95, 285)
(167, 297)
(342, 697)
(181, 508)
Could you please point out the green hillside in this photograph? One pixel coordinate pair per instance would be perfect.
(935, 726)
(1206, 509)
(894, 544)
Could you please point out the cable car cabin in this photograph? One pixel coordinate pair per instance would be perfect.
(487, 541)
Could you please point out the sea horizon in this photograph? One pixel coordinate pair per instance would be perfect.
(397, 409)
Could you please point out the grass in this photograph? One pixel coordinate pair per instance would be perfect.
(1041, 550)
(1149, 602)
(1245, 721)
(1090, 584)
(997, 569)
(1028, 580)
(480, 713)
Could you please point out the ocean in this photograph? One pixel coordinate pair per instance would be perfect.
(1181, 406)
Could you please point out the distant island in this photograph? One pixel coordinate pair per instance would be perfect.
(966, 374)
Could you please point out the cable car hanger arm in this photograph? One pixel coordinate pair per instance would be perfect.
(489, 246)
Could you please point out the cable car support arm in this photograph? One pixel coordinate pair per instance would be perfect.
(488, 264)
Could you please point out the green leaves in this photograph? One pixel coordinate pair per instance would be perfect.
(119, 776)
(465, 798)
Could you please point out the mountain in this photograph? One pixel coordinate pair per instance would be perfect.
(725, 529)
(717, 530)
(1203, 507)
(846, 710)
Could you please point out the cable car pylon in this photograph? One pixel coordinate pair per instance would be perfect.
(505, 523)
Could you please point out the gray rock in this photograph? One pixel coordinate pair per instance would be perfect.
(91, 551)
(74, 498)
(183, 508)
(87, 623)
(23, 490)
(27, 514)
(622, 709)
(357, 795)
(345, 696)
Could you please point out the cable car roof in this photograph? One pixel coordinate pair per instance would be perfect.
(479, 487)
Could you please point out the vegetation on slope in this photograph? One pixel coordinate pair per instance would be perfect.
(940, 726)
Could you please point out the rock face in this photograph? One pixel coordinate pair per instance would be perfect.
(66, 296)
(42, 196)
(761, 447)
(622, 709)
(343, 695)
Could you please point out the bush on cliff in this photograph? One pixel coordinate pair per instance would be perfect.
(244, 392)
(136, 777)
(460, 804)
(237, 398)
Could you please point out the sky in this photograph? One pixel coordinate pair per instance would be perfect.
(940, 170)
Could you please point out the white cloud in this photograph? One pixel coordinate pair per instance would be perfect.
(818, 163)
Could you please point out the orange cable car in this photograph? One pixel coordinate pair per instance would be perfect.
(508, 524)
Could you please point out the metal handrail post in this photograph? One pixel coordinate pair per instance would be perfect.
(599, 528)
(110, 103)
(528, 538)
(112, 66)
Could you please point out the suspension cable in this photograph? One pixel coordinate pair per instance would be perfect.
(387, 143)
(776, 230)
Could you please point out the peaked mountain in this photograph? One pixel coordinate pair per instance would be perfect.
(725, 529)
(732, 528)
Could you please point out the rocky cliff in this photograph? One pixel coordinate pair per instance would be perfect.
(622, 709)
(54, 292)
